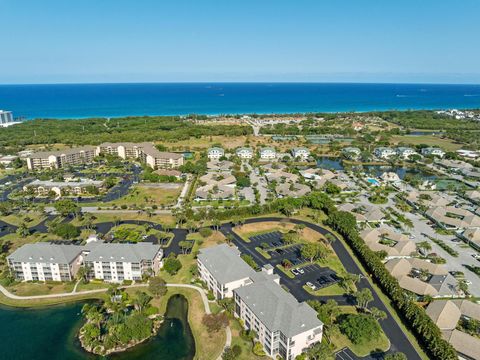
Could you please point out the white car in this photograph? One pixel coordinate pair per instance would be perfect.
(294, 272)
(301, 271)
(310, 285)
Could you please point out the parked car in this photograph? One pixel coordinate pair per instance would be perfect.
(310, 285)
(301, 271)
(295, 272)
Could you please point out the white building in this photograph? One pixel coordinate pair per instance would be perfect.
(433, 151)
(7, 159)
(300, 153)
(215, 153)
(43, 261)
(405, 152)
(60, 159)
(244, 153)
(283, 326)
(118, 262)
(384, 152)
(268, 153)
(468, 153)
(351, 152)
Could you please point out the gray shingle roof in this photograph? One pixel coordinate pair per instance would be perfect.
(278, 309)
(225, 264)
(122, 252)
(46, 253)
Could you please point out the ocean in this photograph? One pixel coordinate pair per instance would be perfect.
(69, 101)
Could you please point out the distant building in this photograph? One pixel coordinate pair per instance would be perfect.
(384, 152)
(6, 117)
(300, 153)
(268, 153)
(433, 151)
(357, 126)
(244, 153)
(45, 262)
(215, 153)
(351, 152)
(61, 158)
(60, 188)
(118, 262)
(145, 152)
(405, 152)
(7, 159)
(282, 325)
(468, 153)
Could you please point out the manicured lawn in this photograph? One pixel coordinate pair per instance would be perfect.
(379, 344)
(248, 230)
(92, 285)
(17, 241)
(334, 289)
(245, 345)
(285, 271)
(262, 252)
(106, 217)
(34, 288)
(18, 219)
(430, 140)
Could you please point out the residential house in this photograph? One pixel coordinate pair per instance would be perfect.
(219, 186)
(301, 153)
(215, 153)
(396, 245)
(450, 217)
(390, 177)
(61, 158)
(294, 190)
(215, 165)
(405, 152)
(351, 152)
(364, 213)
(268, 153)
(447, 314)
(244, 153)
(384, 152)
(43, 261)
(433, 151)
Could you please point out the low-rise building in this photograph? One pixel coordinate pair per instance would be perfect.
(386, 239)
(405, 152)
(450, 217)
(294, 190)
(364, 213)
(215, 153)
(351, 152)
(43, 261)
(390, 176)
(116, 262)
(62, 188)
(384, 152)
(60, 159)
(447, 314)
(301, 153)
(268, 153)
(215, 165)
(7, 160)
(282, 325)
(145, 152)
(433, 151)
(244, 153)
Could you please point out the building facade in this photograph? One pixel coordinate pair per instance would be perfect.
(6, 117)
(244, 153)
(61, 159)
(433, 151)
(45, 262)
(301, 153)
(118, 262)
(268, 153)
(215, 153)
(384, 152)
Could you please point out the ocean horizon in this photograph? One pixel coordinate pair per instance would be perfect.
(76, 101)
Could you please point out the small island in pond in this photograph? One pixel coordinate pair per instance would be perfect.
(119, 323)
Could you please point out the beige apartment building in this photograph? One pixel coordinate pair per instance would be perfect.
(145, 152)
(61, 158)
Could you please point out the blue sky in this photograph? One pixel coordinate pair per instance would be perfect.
(54, 41)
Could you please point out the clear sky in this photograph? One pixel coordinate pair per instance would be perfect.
(53, 41)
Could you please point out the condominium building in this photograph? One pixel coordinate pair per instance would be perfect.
(61, 158)
(118, 262)
(405, 152)
(244, 153)
(384, 152)
(145, 152)
(268, 153)
(6, 117)
(433, 151)
(45, 262)
(300, 153)
(60, 188)
(282, 325)
(215, 153)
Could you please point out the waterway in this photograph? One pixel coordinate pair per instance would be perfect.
(50, 333)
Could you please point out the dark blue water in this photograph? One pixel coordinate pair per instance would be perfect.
(87, 100)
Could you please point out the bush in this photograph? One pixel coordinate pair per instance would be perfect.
(66, 231)
(258, 349)
(360, 328)
(172, 265)
(205, 232)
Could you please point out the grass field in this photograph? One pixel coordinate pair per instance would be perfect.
(446, 144)
(35, 218)
(38, 288)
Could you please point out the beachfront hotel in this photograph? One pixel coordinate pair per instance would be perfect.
(45, 262)
(61, 158)
(145, 152)
(118, 262)
(283, 326)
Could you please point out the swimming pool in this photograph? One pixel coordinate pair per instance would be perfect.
(373, 181)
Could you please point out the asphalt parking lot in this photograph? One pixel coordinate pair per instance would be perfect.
(273, 239)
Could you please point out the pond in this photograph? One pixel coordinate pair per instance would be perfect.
(50, 333)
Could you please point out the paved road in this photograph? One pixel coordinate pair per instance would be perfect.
(398, 339)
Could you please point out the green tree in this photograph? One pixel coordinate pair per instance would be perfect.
(157, 286)
(172, 265)
(396, 356)
(66, 207)
(360, 328)
(320, 351)
(364, 297)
